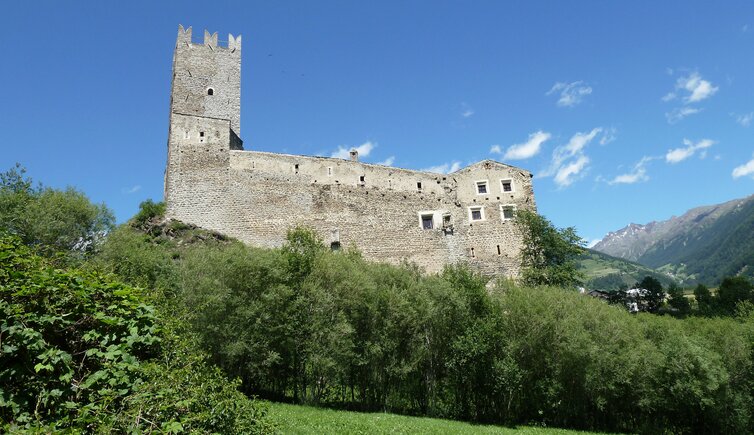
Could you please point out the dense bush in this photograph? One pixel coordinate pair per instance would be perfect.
(330, 328)
(81, 352)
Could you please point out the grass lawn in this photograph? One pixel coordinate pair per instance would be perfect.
(296, 419)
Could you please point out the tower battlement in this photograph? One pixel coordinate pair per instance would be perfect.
(185, 37)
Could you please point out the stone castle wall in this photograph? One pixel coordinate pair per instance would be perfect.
(383, 211)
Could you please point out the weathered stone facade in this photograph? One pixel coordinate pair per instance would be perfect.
(389, 214)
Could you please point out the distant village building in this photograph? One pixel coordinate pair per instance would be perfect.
(389, 214)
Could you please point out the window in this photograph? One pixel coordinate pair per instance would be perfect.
(329, 171)
(295, 168)
(507, 212)
(361, 179)
(427, 222)
(335, 246)
(201, 134)
(507, 185)
(446, 220)
(476, 213)
(210, 91)
(419, 185)
(481, 187)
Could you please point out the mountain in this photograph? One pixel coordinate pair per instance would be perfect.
(703, 245)
(604, 272)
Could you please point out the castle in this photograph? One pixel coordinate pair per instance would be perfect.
(389, 214)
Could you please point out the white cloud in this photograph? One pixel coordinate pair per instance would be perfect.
(698, 89)
(445, 168)
(525, 150)
(130, 190)
(495, 149)
(680, 154)
(571, 94)
(388, 161)
(745, 119)
(569, 162)
(678, 114)
(637, 174)
(744, 170)
(608, 136)
(466, 111)
(363, 149)
(571, 172)
(669, 96)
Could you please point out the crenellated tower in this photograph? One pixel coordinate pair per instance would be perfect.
(205, 119)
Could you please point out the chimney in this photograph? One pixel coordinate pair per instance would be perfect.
(354, 155)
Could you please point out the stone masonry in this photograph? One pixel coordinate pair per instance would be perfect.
(389, 214)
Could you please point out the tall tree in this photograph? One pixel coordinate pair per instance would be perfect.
(548, 256)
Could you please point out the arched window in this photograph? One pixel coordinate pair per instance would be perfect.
(210, 91)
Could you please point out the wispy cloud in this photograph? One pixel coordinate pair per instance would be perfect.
(363, 150)
(466, 111)
(744, 28)
(747, 169)
(745, 119)
(608, 135)
(525, 150)
(388, 161)
(130, 190)
(636, 175)
(445, 168)
(679, 113)
(680, 154)
(571, 94)
(691, 89)
(569, 162)
(696, 88)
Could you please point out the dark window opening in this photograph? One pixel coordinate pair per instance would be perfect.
(427, 222)
(507, 186)
(361, 179)
(472, 253)
(446, 220)
(295, 167)
(476, 214)
(335, 246)
(509, 212)
(419, 185)
(201, 134)
(210, 91)
(481, 188)
(498, 250)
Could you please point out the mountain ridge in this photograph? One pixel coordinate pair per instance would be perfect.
(700, 246)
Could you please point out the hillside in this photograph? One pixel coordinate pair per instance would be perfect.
(605, 272)
(703, 245)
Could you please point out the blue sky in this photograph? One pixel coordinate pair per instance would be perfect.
(625, 112)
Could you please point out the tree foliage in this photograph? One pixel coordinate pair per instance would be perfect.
(53, 220)
(306, 324)
(549, 254)
(82, 352)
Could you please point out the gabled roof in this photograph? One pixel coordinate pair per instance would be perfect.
(489, 164)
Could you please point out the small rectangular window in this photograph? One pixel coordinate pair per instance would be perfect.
(361, 179)
(419, 185)
(498, 250)
(295, 168)
(507, 185)
(481, 187)
(201, 134)
(476, 214)
(329, 171)
(472, 253)
(507, 212)
(427, 222)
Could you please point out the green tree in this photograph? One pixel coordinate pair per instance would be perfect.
(732, 291)
(705, 303)
(655, 295)
(678, 300)
(548, 256)
(51, 219)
